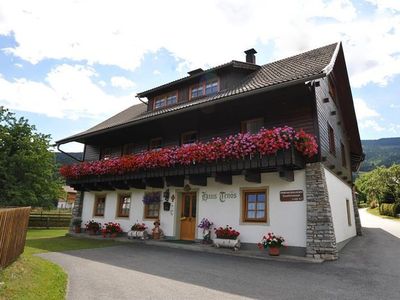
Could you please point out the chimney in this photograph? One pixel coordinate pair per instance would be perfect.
(250, 56)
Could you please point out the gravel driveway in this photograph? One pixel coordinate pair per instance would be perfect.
(368, 268)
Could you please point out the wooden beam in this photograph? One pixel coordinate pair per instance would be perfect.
(198, 180)
(121, 185)
(93, 187)
(225, 177)
(287, 175)
(137, 184)
(178, 181)
(155, 182)
(252, 176)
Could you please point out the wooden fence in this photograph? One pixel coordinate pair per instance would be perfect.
(48, 220)
(13, 227)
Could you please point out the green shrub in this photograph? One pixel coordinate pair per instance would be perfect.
(362, 205)
(389, 209)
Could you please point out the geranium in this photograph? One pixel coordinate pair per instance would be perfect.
(205, 224)
(271, 240)
(112, 227)
(226, 233)
(239, 146)
(139, 227)
(92, 226)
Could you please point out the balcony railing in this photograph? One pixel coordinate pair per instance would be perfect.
(284, 162)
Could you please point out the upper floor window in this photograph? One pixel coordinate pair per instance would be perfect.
(211, 87)
(331, 136)
(155, 143)
(108, 152)
(165, 100)
(197, 91)
(128, 149)
(252, 126)
(343, 153)
(189, 137)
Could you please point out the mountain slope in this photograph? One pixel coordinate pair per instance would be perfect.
(380, 152)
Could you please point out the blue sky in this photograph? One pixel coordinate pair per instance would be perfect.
(68, 65)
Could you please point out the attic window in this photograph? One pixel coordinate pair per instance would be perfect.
(197, 91)
(211, 87)
(165, 100)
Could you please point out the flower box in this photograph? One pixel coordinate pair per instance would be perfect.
(227, 243)
(137, 234)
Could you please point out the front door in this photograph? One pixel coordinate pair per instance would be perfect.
(188, 216)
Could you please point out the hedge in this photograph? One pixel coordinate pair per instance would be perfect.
(389, 209)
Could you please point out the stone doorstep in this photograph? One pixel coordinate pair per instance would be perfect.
(197, 247)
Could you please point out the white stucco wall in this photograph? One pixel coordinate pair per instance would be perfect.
(338, 193)
(284, 218)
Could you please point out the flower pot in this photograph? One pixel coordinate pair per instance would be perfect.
(156, 235)
(92, 232)
(137, 234)
(77, 229)
(113, 235)
(227, 243)
(273, 251)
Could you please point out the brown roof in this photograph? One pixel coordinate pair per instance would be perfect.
(299, 68)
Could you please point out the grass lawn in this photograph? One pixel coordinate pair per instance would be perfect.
(32, 277)
(375, 212)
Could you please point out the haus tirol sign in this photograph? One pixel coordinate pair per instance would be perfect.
(293, 195)
(221, 196)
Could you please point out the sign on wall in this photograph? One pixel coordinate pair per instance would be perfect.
(293, 195)
(221, 196)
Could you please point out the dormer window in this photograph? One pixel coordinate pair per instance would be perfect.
(197, 91)
(165, 100)
(211, 87)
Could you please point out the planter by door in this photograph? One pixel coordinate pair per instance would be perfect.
(273, 251)
(226, 243)
(134, 234)
(188, 216)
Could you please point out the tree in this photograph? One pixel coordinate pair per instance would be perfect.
(28, 174)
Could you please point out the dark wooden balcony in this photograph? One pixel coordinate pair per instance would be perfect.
(284, 162)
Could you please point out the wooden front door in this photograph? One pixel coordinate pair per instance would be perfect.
(188, 216)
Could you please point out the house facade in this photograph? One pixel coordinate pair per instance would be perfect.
(261, 148)
(68, 201)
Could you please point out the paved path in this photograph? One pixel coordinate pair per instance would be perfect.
(370, 221)
(368, 268)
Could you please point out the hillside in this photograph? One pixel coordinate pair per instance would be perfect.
(380, 152)
(63, 159)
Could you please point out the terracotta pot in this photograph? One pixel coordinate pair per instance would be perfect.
(113, 235)
(156, 235)
(273, 251)
(77, 229)
(92, 232)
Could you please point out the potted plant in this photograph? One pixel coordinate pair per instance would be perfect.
(138, 230)
(92, 227)
(76, 223)
(113, 229)
(227, 237)
(272, 242)
(206, 225)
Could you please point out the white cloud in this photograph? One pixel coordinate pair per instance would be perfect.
(156, 72)
(363, 111)
(68, 92)
(122, 82)
(394, 105)
(371, 124)
(43, 29)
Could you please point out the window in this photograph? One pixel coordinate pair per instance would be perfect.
(155, 143)
(124, 205)
(197, 91)
(158, 103)
(343, 153)
(252, 126)
(189, 137)
(99, 206)
(254, 205)
(165, 100)
(108, 152)
(152, 210)
(331, 136)
(211, 87)
(172, 99)
(348, 212)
